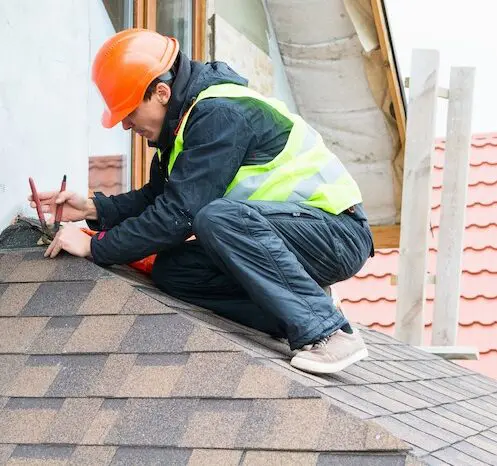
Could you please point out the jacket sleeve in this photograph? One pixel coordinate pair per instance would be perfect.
(112, 210)
(216, 139)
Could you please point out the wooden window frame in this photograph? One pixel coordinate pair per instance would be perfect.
(145, 16)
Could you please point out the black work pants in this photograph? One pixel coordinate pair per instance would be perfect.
(262, 264)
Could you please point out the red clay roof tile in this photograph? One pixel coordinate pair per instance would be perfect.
(370, 299)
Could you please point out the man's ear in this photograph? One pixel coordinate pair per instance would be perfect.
(163, 93)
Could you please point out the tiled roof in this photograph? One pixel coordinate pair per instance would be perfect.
(98, 367)
(106, 174)
(369, 298)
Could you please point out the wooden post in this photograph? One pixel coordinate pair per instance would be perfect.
(420, 140)
(453, 207)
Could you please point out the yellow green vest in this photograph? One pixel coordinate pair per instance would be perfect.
(304, 171)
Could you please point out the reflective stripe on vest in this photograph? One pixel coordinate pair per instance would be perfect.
(304, 171)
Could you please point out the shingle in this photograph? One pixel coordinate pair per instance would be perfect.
(297, 390)
(485, 443)
(415, 354)
(28, 403)
(377, 398)
(141, 303)
(459, 415)
(10, 366)
(5, 452)
(31, 270)
(310, 424)
(212, 375)
(126, 456)
(100, 426)
(201, 457)
(309, 380)
(212, 429)
(490, 435)
(107, 297)
(345, 397)
(55, 335)
(152, 422)
(487, 403)
(394, 393)
(8, 263)
(70, 268)
(24, 425)
(33, 381)
(424, 392)
(166, 299)
(15, 296)
(479, 410)
(43, 452)
(72, 421)
(262, 382)
(57, 298)
(280, 348)
(279, 458)
(427, 427)
(78, 375)
(422, 369)
(417, 374)
(246, 341)
(115, 371)
(17, 333)
(452, 456)
(92, 456)
(444, 423)
(369, 372)
(451, 384)
(442, 390)
(330, 459)
(396, 372)
(218, 323)
(99, 334)
(150, 381)
(170, 333)
(372, 336)
(466, 383)
(416, 437)
(476, 452)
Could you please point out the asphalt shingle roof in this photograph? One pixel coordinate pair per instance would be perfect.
(99, 367)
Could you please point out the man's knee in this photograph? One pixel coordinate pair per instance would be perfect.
(213, 216)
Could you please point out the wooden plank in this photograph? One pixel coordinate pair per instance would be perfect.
(453, 206)
(468, 353)
(150, 19)
(442, 92)
(430, 279)
(386, 236)
(420, 141)
(199, 28)
(137, 179)
(138, 13)
(394, 86)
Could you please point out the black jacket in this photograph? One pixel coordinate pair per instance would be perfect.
(221, 135)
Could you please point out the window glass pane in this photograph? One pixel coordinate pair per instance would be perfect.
(109, 161)
(174, 18)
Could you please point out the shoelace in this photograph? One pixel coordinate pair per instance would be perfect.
(321, 343)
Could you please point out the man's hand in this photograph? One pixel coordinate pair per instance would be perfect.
(76, 207)
(71, 239)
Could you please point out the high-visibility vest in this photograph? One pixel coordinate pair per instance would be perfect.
(305, 171)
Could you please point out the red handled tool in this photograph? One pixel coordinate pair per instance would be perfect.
(60, 207)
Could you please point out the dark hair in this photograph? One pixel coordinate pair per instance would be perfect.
(166, 78)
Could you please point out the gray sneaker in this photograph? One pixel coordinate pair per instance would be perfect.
(331, 354)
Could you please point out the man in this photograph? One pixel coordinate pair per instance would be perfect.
(273, 214)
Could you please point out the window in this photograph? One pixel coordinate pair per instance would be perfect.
(109, 164)
(175, 18)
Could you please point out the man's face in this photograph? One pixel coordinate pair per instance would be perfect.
(146, 120)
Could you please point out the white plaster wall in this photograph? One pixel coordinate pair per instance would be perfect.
(49, 110)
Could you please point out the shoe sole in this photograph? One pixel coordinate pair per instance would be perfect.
(327, 368)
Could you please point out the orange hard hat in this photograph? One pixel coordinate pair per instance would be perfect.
(124, 67)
